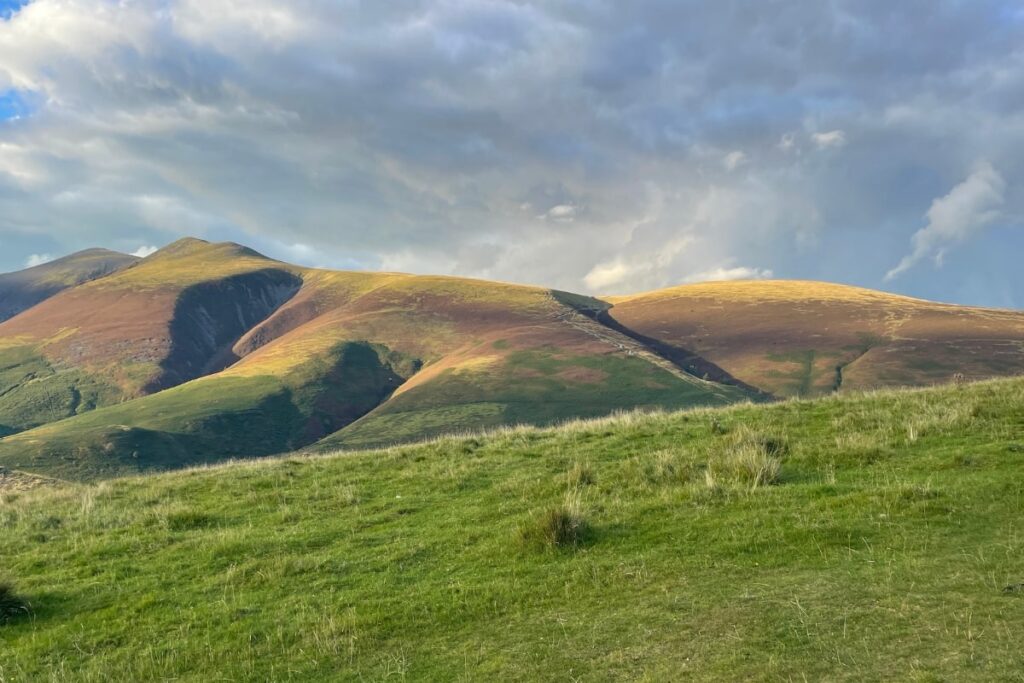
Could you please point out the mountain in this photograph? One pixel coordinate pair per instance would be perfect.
(793, 338)
(24, 289)
(203, 352)
(208, 351)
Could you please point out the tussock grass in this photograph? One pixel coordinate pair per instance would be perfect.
(580, 474)
(744, 458)
(557, 527)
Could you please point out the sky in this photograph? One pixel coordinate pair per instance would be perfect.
(590, 145)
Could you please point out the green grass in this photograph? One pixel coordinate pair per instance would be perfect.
(885, 546)
(32, 392)
(213, 419)
(529, 388)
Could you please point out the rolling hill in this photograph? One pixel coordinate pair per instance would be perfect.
(851, 538)
(225, 353)
(24, 289)
(794, 338)
(203, 352)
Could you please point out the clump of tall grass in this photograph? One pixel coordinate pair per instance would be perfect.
(579, 475)
(667, 467)
(744, 458)
(559, 526)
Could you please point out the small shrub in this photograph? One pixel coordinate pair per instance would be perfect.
(11, 605)
(560, 526)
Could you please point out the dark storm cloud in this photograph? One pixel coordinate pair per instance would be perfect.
(587, 145)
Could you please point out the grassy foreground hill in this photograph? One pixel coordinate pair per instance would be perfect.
(859, 537)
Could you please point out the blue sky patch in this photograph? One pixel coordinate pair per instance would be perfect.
(9, 7)
(13, 105)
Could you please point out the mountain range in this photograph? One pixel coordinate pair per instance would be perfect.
(111, 364)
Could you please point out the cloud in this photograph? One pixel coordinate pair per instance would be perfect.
(578, 145)
(37, 260)
(605, 275)
(144, 251)
(961, 214)
(734, 273)
(562, 212)
(832, 138)
(734, 160)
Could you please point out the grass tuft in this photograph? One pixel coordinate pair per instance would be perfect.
(580, 474)
(745, 458)
(558, 527)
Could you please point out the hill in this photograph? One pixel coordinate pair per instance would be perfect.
(135, 331)
(24, 289)
(860, 537)
(225, 353)
(794, 338)
(204, 352)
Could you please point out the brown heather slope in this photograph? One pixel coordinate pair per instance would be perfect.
(490, 353)
(805, 338)
(24, 289)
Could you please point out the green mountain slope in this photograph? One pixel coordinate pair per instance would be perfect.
(870, 537)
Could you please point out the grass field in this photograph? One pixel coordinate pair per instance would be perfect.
(867, 537)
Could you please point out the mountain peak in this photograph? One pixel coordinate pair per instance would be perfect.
(193, 246)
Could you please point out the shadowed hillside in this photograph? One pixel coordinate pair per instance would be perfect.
(144, 328)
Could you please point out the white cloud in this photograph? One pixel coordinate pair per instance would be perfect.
(562, 212)
(144, 251)
(726, 273)
(954, 218)
(734, 160)
(37, 260)
(606, 275)
(832, 138)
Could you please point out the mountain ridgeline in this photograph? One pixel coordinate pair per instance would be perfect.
(202, 352)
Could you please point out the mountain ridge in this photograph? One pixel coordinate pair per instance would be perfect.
(205, 351)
